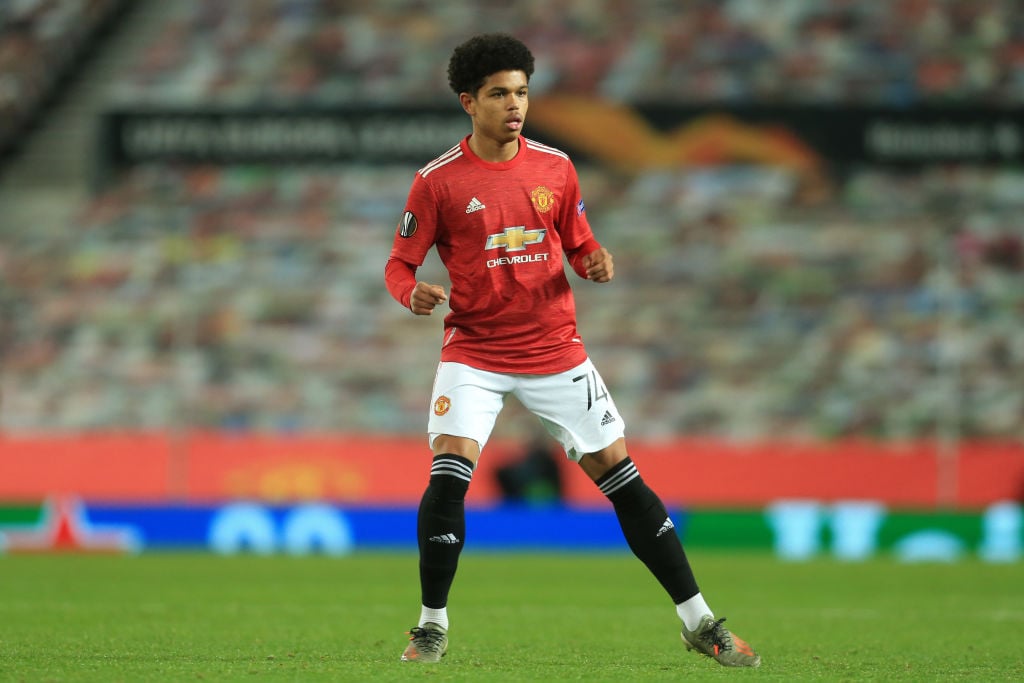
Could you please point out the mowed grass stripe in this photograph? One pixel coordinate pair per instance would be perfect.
(540, 617)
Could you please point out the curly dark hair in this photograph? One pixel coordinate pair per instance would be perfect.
(483, 55)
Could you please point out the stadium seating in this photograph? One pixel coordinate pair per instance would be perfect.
(39, 43)
(807, 51)
(252, 298)
(249, 297)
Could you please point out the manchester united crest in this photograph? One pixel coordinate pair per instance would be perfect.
(442, 405)
(542, 198)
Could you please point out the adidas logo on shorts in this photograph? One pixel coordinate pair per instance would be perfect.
(607, 419)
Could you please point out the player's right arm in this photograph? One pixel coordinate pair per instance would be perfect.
(419, 297)
(413, 238)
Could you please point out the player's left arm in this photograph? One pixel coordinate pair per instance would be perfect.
(598, 265)
(585, 254)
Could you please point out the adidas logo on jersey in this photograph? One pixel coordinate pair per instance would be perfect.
(666, 527)
(449, 539)
(474, 205)
(607, 419)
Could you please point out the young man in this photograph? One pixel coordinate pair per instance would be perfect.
(502, 211)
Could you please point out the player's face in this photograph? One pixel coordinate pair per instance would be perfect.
(499, 108)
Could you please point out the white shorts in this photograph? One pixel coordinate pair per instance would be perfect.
(574, 406)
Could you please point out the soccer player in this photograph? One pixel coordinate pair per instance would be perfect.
(502, 211)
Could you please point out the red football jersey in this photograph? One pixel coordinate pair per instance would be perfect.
(501, 230)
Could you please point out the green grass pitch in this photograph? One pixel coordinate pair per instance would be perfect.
(543, 617)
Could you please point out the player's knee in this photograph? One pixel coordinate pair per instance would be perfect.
(446, 444)
(598, 463)
(450, 475)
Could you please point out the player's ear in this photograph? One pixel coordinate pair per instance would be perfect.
(468, 103)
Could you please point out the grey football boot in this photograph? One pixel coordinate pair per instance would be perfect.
(713, 639)
(427, 644)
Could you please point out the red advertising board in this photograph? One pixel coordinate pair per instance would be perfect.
(204, 467)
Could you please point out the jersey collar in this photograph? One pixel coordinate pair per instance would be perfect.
(491, 165)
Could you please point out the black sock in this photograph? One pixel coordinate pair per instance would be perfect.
(441, 526)
(649, 530)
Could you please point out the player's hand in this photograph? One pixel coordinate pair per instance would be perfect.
(598, 265)
(425, 297)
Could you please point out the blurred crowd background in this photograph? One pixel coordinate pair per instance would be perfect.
(884, 303)
(897, 52)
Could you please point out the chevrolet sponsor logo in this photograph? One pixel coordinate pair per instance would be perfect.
(515, 239)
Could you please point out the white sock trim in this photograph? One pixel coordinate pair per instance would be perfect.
(434, 616)
(691, 611)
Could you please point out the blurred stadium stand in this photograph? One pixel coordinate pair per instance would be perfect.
(878, 301)
(43, 44)
(892, 53)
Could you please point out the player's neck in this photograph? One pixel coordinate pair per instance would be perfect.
(491, 150)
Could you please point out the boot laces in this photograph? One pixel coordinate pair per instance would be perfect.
(426, 640)
(718, 636)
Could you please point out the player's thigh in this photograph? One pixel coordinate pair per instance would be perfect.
(465, 402)
(575, 407)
